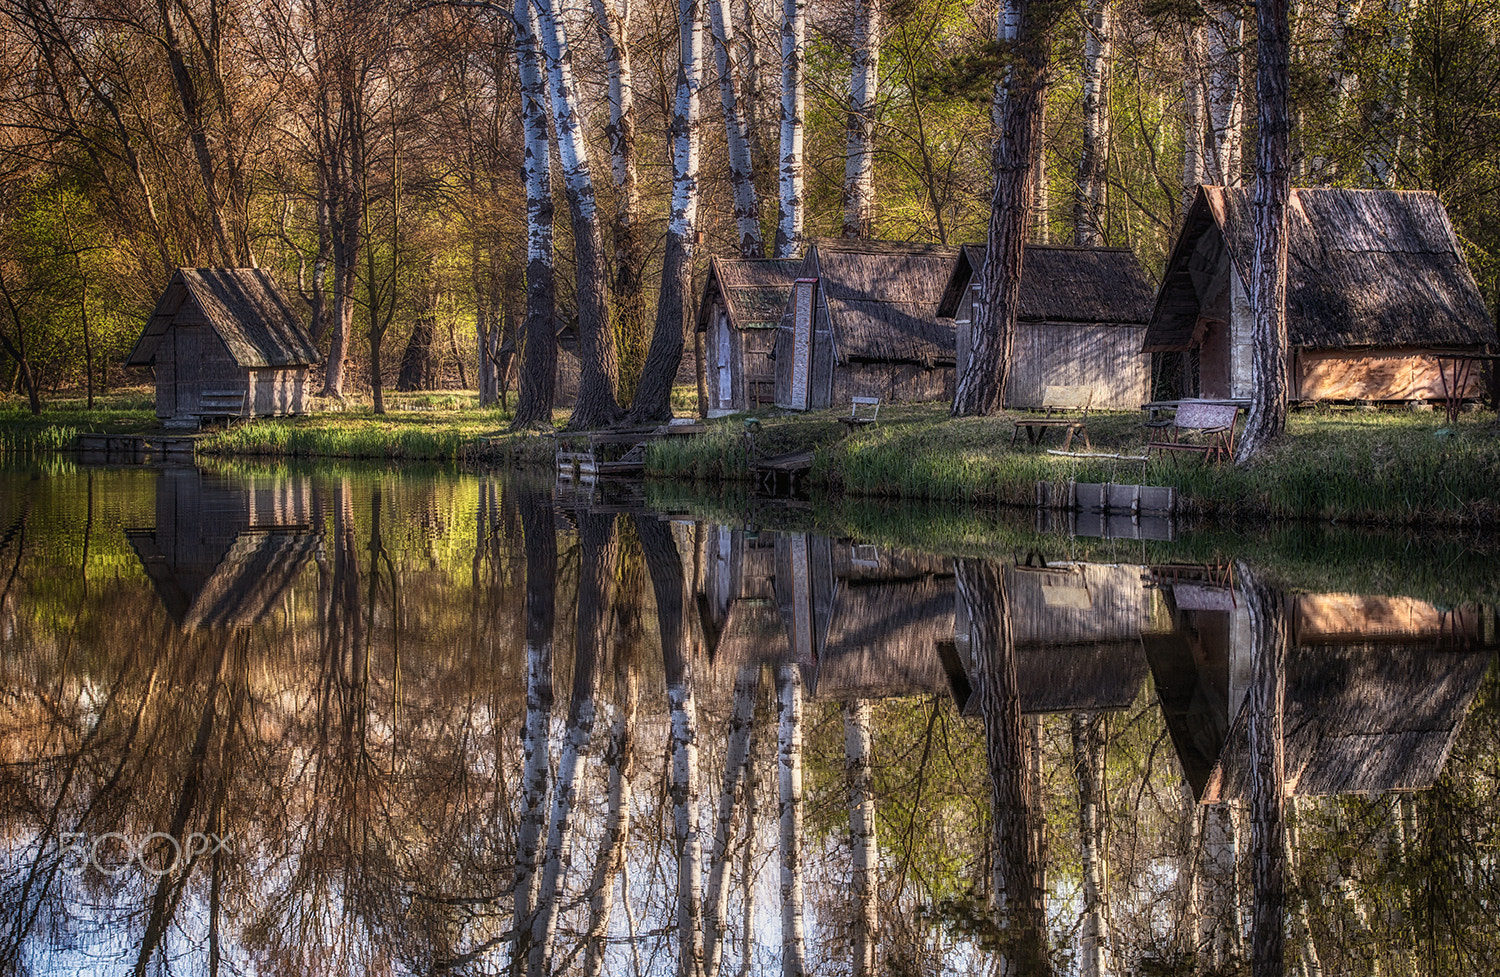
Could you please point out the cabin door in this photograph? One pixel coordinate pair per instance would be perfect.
(723, 360)
(187, 364)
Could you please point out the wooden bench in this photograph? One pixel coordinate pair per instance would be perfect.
(862, 412)
(1214, 422)
(1058, 400)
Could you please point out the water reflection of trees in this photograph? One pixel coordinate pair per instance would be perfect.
(499, 737)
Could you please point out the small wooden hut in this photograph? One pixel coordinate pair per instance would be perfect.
(1081, 322)
(224, 549)
(862, 322)
(225, 343)
(743, 300)
(1377, 287)
(1376, 688)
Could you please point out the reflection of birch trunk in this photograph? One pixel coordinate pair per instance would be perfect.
(789, 766)
(863, 842)
(1300, 919)
(619, 760)
(1088, 773)
(747, 858)
(595, 589)
(1220, 927)
(736, 762)
(1015, 888)
(1268, 647)
(665, 565)
(541, 597)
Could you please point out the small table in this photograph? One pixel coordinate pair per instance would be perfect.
(1036, 429)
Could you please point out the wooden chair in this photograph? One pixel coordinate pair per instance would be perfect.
(1061, 400)
(1214, 422)
(862, 412)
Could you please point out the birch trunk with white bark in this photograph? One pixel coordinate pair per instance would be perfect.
(859, 153)
(599, 372)
(539, 332)
(1093, 155)
(653, 397)
(741, 160)
(793, 109)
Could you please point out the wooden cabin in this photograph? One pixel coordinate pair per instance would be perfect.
(224, 549)
(1081, 322)
(225, 342)
(862, 322)
(1376, 688)
(1377, 286)
(743, 300)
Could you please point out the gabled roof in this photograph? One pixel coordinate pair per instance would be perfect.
(1063, 284)
(881, 297)
(245, 308)
(242, 588)
(755, 290)
(1366, 268)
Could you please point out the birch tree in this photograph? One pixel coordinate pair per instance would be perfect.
(737, 133)
(1269, 356)
(789, 769)
(859, 154)
(1093, 154)
(539, 332)
(599, 373)
(653, 399)
(612, 17)
(1017, 120)
(793, 109)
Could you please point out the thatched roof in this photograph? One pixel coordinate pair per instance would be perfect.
(245, 308)
(1367, 268)
(1063, 284)
(1360, 719)
(881, 297)
(241, 589)
(883, 641)
(754, 291)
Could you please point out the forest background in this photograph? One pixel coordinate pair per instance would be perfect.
(370, 153)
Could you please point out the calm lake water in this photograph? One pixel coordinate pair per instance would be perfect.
(348, 721)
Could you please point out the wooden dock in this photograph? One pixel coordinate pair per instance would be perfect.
(134, 449)
(781, 475)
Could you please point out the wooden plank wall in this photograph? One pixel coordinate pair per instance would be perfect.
(1373, 375)
(1105, 357)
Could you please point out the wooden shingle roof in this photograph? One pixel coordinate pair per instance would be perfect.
(1366, 268)
(246, 310)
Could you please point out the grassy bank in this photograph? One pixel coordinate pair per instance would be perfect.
(1387, 467)
(63, 419)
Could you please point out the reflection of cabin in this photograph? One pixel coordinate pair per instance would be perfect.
(1081, 321)
(1375, 689)
(862, 322)
(1376, 284)
(225, 343)
(224, 550)
(1077, 631)
(741, 307)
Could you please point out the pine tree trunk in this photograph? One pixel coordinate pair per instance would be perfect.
(539, 331)
(1268, 341)
(627, 287)
(1018, 117)
(1265, 707)
(789, 766)
(741, 161)
(793, 109)
(653, 401)
(1093, 157)
(599, 373)
(864, 846)
(864, 84)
